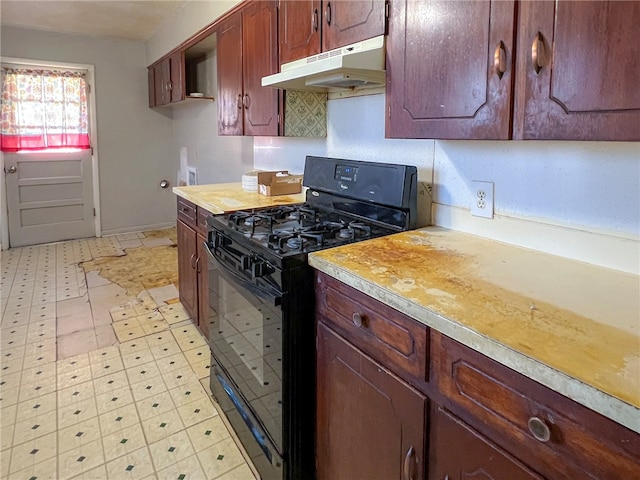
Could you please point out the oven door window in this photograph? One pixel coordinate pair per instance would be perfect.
(246, 339)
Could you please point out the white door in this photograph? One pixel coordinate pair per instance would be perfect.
(49, 197)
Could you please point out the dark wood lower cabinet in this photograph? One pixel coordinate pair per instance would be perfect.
(193, 275)
(187, 277)
(485, 421)
(460, 453)
(370, 423)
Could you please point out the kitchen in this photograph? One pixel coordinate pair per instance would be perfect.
(573, 199)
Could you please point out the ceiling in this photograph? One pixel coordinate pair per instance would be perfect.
(128, 20)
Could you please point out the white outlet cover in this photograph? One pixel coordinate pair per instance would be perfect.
(482, 199)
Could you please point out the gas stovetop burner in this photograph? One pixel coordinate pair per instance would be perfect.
(296, 243)
(346, 233)
(253, 221)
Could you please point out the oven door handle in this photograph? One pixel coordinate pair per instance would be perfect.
(250, 420)
(273, 298)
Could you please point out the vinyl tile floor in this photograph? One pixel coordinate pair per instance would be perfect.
(104, 377)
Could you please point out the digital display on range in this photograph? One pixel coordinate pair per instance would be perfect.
(346, 173)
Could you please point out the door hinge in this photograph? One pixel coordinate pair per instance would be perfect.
(387, 6)
(94, 212)
(389, 111)
(88, 88)
(92, 151)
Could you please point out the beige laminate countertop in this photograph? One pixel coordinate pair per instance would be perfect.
(571, 326)
(228, 197)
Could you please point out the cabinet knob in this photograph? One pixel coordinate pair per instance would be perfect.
(357, 319)
(409, 466)
(539, 429)
(500, 59)
(537, 53)
(327, 13)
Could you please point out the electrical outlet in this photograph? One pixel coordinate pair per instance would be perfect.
(482, 199)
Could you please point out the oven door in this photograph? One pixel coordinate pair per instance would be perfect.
(246, 343)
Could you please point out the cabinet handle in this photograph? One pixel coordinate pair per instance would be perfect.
(169, 86)
(409, 465)
(246, 101)
(500, 59)
(539, 429)
(327, 13)
(198, 265)
(239, 101)
(537, 53)
(314, 20)
(193, 265)
(357, 319)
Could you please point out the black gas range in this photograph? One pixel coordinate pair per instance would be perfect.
(261, 292)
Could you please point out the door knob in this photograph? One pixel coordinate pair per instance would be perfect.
(11, 169)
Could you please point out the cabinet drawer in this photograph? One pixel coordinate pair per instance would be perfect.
(393, 339)
(187, 212)
(551, 433)
(201, 220)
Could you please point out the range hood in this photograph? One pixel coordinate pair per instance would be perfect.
(358, 65)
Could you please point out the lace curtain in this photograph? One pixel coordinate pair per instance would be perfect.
(43, 109)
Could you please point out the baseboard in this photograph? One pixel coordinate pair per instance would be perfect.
(140, 228)
(606, 249)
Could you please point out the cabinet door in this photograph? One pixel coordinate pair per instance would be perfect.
(299, 29)
(152, 86)
(457, 453)
(162, 76)
(176, 75)
(187, 279)
(449, 69)
(370, 424)
(349, 21)
(203, 285)
(578, 71)
(230, 76)
(259, 59)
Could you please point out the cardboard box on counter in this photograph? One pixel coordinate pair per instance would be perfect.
(279, 183)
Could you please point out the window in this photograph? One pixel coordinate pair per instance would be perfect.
(43, 110)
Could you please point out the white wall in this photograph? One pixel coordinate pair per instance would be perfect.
(134, 141)
(218, 159)
(575, 199)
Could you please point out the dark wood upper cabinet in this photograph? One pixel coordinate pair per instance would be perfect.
(452, 72)
(230, 76)
(248, 51)
(152, 86)
(259, 59)
(349, 21)
(578, 71)
(309, 27)
(299, 29)
(449, 69)
(177, 77)
(166, 80)
(370, 423)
